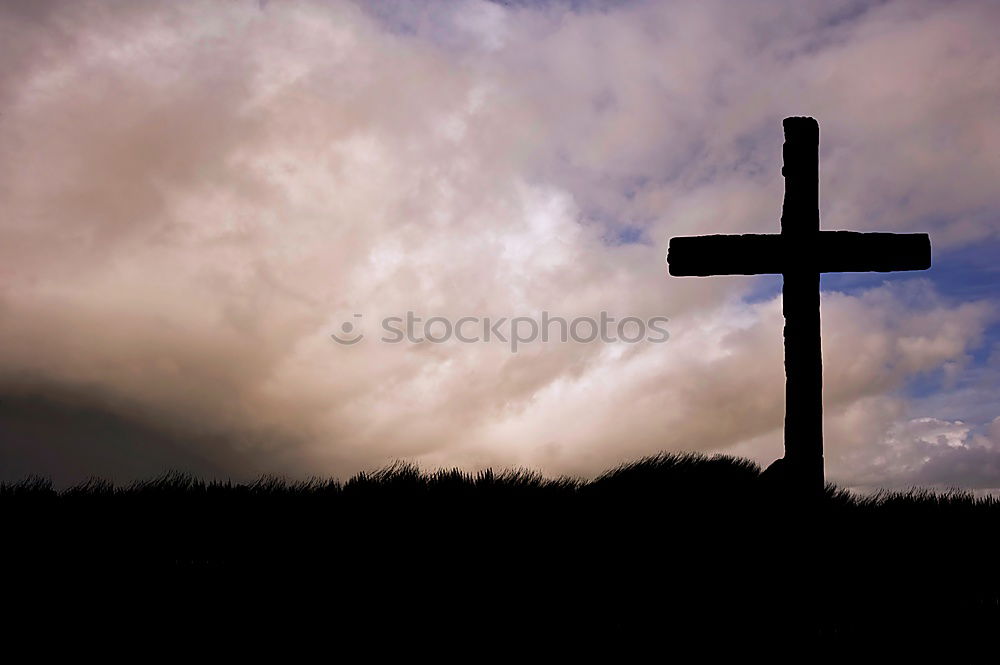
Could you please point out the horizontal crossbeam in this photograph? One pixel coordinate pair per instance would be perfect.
(821, 251)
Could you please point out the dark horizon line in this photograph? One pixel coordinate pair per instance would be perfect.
(670, 470)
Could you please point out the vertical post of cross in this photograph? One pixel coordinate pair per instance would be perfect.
(800, 305)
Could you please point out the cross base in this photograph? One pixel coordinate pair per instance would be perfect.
(803, 477)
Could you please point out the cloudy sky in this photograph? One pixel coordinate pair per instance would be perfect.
(194, 196)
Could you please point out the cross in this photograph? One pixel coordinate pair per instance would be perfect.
(800, 253)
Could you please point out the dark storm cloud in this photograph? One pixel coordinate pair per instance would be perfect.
(68, 438)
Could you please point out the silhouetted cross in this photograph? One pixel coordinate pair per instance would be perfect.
(800, 253)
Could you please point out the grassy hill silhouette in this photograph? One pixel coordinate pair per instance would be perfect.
(670, 544)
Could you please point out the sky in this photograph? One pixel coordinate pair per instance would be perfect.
(197, 196)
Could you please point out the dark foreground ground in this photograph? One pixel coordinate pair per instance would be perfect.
(667, 551)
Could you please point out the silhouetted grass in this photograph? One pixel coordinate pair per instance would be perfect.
(678, 476)
(670, 544)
